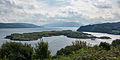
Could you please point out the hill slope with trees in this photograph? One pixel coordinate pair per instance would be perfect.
(111, 28)
(17, 25)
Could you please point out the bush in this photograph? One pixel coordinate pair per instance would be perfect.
(79, 44)
(105, 45)
(70, 49)
(116, 43)
(16, 51)
(41, 50)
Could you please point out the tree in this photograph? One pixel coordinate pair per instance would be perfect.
(105, 45)
(116, 43)
(77, 45)
(41, 50)
(16, 51)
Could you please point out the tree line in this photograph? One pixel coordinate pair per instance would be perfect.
(79, 50)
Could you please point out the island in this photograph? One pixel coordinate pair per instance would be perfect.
(39, 35)
(104, 37)
(110, 28)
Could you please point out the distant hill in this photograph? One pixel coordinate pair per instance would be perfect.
(63, 24)
(111, 28)
(17, 25)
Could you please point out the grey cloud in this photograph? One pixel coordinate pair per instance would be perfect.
(103, 6)
(118, 2)
(27, 12)
(56, 2)
(9, 4)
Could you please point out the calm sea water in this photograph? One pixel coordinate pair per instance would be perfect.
(55, 42)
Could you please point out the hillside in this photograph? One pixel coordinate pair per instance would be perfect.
(111, 28)
(63, 24)
(17, 25)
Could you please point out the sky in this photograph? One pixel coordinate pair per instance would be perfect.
(41, 12)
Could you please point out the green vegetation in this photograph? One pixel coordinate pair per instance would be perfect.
(39, 35)
(77, 51)
(105, 45)
(19, 51)
(41, 50)
(16, 51)
(104, 51)
(111, 28)
(116, 43)
(69, 49)
(104, 37)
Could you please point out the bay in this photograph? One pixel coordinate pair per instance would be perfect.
(55, 42)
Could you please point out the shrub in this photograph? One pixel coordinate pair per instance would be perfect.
(105, 45)
(41, 50)
(16, 51)
(70, 49)
(116, 43)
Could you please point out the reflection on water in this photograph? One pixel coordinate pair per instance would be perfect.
(104, 34)
(55, 42)
(113, 37)
(58, 42)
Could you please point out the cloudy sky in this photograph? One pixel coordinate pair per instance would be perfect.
(48, 11)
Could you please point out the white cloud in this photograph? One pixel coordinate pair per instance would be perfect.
(48, 11)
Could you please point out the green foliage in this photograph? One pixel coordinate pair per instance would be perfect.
(70, 49)
(39, 35)
(41, 50)
(119, 58)
(105, 45)
(77, 51)
(104, 37)
(16, 51)
(79, 44)
(116, 43)
(104, 51)
(91, 53)
(111, 28)
(5, 58)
